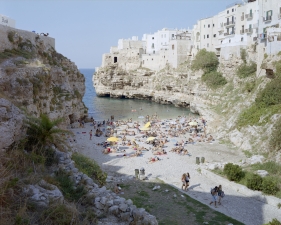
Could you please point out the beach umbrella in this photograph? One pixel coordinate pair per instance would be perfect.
(141, 117)
(193, 123)
(145, 128)
(150, 138)
(113, 139)
(147, 124)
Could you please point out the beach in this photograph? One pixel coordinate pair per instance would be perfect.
(240, 203)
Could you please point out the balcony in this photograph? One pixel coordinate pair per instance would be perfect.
(242, 18)
(230, 33)
(267, 19)
(229, 24)
(242, 31)
(249, 30)
(279, 16)
(249, 16)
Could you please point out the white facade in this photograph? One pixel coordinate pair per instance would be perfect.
(160, 40)
(6, 21)
(269, 25)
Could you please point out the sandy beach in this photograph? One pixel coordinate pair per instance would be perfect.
(239, 203)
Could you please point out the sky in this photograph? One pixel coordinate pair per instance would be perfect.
(85, 29)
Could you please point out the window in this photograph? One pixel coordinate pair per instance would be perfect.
(173, 47)
(152, 38)
(242, 38)
(115, 60)
(215, 35)
(152, 59)
(173, 35)
(153, 53)
(207, 44)
(208, 25)
(232, 10)
(221, 42)
(207, 35)
(227, 11)
(204, 25)
(229, 40)
(152, 46)
(213, 25)
(204, 36)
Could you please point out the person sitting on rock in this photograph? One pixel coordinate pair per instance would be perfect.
(117, 188)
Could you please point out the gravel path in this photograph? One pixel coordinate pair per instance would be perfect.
(240, 203)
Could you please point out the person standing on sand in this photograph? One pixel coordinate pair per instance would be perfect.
(183, 180)
(91, 134)
(220, 194)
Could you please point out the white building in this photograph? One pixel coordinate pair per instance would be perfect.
(270, 26)
(6, 21)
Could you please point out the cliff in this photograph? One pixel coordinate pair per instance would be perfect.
(183, 87)
(37, 79)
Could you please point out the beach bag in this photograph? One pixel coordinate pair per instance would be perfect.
(222, 194)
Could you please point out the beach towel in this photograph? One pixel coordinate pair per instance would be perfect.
(84, 132)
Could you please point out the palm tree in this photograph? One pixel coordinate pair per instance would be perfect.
(43, 133)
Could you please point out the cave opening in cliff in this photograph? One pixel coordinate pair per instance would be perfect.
(122, 96)
(115, 59)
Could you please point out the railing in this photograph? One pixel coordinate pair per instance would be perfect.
(249, 30)
(242, 31)
(267, 18)
(229, 23)
(230, 33)
(249, 16)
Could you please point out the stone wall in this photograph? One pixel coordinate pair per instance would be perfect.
(5, 43)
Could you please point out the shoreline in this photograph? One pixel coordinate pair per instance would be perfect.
(171, 166)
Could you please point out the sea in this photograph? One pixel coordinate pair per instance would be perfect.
(101, 108)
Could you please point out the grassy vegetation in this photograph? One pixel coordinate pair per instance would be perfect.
(275, 140)
(246, 70)
(169, 209)
(7, 53)
(270, 185)
(89, 167)
(214, 79)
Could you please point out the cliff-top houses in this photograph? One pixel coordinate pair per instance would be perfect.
(252, 24)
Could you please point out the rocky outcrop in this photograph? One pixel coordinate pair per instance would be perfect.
(11, 120)
(103, 201)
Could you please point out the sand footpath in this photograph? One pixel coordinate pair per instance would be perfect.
(239, 203)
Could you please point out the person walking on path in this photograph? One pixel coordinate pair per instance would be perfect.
(91, 134)
(187, 178)
(214, 193)
(220, 194)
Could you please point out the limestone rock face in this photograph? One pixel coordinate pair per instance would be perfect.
(36, 77)
(11, 120)
(43, 193)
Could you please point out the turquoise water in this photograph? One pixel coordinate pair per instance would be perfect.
(101, 108)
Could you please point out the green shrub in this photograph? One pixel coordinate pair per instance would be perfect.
(278, 68)
(249, 86)
(68, 188)
(89, 167)
(265, 55)
(254, 182)
(274, 222)
(207, 61)
(246, 70)
(269, 186)
(11, 36)
(275, 139)
(214, 79)
(273, 168)
(243, 54)
(233, 172)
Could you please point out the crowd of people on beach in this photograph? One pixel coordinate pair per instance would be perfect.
(157, 133)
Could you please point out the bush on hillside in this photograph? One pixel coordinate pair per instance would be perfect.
(207, 61)
(254, 182)
(233, 172)
(246, 70)
(275, 140)
(274, 222)
(269, 186)
(243, 54)
(214, 79)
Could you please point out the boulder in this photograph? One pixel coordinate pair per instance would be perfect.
(113, 210)
(262, 173)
